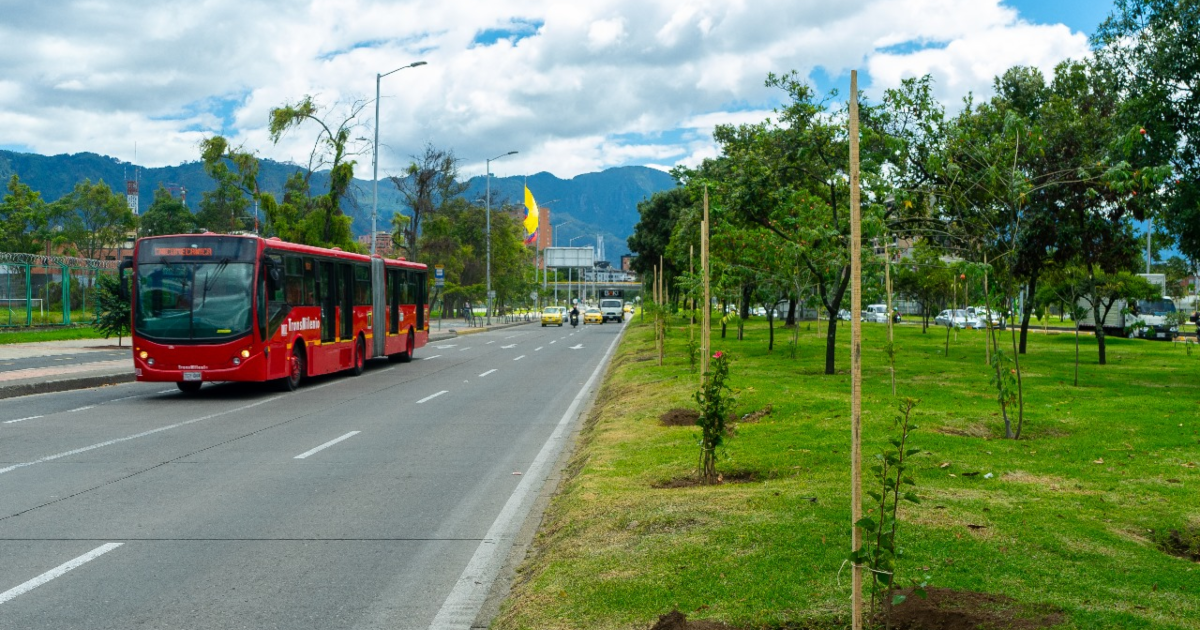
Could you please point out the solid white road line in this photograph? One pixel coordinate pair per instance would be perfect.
(432, 357)
(23, 419)
(432, 396)
(326, 445)
(519, 358)
(461, 607)
(486, 373)
(81, 408)
(135, 436)
(57, 571)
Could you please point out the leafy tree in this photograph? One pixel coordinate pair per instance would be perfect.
(24, 219)
(299, 217)
(1148, 50)
(652, 233)
(924, 279)
(430, 181)
(324, 221)
(223, 209)
(112, 309)
(166, 215)
(788, 179)
(95, 218)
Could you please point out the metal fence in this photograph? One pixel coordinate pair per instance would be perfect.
(39, 290)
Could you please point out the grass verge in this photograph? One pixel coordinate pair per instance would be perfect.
(1066, 517)
(51, 334)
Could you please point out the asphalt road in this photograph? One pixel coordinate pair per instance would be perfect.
(70, 358)
(389, 500)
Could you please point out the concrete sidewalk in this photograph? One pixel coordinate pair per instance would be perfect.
(82, 374)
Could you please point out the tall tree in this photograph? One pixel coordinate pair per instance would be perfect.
(24, 219)
(94, 218)
(789, 179)
(321, 220)
(1148, 48)
(430, 181)
(166, 215)
(223, 209)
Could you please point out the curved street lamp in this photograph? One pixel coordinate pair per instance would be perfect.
(375, 154)
(489, 232)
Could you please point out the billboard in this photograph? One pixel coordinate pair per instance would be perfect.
(570, 257)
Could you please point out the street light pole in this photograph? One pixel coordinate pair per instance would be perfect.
(488, 197)
(375, 154)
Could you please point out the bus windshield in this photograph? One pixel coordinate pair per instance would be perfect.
(186, 301)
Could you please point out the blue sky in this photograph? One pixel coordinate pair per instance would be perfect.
(574, 87)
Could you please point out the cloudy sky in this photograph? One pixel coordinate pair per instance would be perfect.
(573, 86)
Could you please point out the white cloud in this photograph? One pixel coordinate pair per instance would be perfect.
(575, 87)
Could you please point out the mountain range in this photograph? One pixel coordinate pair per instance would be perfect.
(584, 209)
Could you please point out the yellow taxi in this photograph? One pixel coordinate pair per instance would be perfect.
(593, 316)
(553, 315)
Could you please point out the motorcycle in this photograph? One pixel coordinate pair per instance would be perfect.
(574, 319)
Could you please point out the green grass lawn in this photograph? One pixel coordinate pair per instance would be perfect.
(23, 335)
(1068, 517)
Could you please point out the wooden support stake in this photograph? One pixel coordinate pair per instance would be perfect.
(706, 329)
(855, 351)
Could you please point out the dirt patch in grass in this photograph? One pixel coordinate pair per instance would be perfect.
(679, 417)
(755, 416)
(947, 609)
(740, 476)
(1183, 542)
(977, 430)
(676, 620)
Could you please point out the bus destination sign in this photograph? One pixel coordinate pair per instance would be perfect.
(183, 251)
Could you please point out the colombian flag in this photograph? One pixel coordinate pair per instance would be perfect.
(531, 213)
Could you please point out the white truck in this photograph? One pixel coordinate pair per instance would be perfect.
(1148, 319)
(612, 309)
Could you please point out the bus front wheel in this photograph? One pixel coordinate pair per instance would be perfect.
(291, 382)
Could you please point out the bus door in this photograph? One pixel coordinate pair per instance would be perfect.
(420, 294)
(277, 310)
(329, 301)
(346, 303)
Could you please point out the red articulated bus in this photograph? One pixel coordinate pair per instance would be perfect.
(216, 307)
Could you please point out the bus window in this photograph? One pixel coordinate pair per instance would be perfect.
(293, 281)
(310, 280)
(362, 285)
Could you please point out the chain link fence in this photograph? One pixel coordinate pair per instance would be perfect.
(40, 290)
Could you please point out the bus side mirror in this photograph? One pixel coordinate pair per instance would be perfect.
(273, 272)
(122, 288)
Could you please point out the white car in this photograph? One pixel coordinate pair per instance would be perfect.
(876, 313)
(982, 314)
(959, 318)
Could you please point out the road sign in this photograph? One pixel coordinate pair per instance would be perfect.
(533, 295)
(439, 276)
(491, 295)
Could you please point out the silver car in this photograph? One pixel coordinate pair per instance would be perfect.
(958, 318)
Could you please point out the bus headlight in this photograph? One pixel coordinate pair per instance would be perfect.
(245, 354)
(143, 354)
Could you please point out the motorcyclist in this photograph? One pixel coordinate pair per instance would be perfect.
(575, 315)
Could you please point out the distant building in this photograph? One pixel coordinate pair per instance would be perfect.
(383, 244)
(627, 262)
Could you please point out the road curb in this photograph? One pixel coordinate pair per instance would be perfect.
(64, 385)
